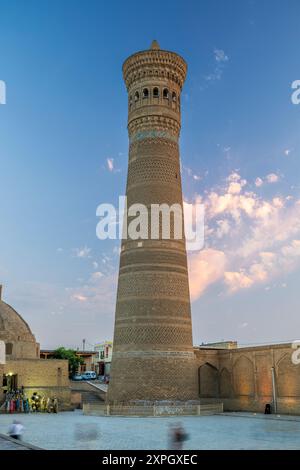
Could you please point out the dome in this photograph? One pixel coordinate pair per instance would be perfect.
(15, 332)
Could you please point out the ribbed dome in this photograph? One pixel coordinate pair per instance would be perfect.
(19, 341)
(12, 325)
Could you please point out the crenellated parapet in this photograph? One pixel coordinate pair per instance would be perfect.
(154, 64)
(154, 79)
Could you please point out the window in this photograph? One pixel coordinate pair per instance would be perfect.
(155, 92)
(174, 97)
(59, 376)
(136, 96)
(8, 348)
(166, 93)
(145, 93)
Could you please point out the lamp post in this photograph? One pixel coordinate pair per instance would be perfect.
(274, 394)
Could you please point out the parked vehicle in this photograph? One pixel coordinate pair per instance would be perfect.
(77, 377)
(89, 375)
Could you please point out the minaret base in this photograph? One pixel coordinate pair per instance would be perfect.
(153, 376)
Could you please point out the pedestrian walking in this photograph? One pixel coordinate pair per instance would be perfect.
(16, 430)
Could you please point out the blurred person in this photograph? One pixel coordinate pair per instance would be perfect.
(16, 430)
(177, 437)
(86, 435)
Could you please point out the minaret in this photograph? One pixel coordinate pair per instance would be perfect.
(153, 355)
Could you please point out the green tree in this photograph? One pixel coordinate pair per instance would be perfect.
(70, 354)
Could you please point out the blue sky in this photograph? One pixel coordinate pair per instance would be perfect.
(63, 151)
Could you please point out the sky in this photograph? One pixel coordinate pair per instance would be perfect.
(64, 150)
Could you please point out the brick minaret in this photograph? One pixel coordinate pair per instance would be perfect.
(153, 355)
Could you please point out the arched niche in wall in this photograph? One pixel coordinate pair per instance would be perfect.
(225, 384)
(287, 377)
(243, 377)
(208, 381)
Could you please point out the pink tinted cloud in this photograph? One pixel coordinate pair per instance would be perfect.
(249, 239)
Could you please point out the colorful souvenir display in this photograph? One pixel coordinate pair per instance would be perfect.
(17, 402)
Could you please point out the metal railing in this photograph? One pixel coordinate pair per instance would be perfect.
(151, 410)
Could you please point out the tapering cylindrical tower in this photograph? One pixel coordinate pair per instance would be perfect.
(153, 355)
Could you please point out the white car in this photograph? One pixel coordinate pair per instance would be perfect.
(89, 375)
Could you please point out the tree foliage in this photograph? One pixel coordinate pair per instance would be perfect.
(70, 354)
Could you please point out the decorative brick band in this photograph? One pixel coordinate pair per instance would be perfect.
(142, 135)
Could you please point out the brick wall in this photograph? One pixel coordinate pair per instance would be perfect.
(242, 378)
(49, 378)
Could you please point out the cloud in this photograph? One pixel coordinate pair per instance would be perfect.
(236, 183)
(237, 280)
(292, 250)
(110, 164)
(220, 55)
(268, 266)
(214, 76)
(192, 174)
(96, 276)
(223, 228)
(235, 188)
(80, 298)
(250, 240)
(275, 226)
(258, 182)
(234, 176)
(205, 268)
(272, 178)
(220, 59)
(82, 252)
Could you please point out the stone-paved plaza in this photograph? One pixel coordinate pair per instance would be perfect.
(8, 444)
(73, 430)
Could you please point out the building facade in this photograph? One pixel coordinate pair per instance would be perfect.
(246, 379)
(102, 360)
(88, 358)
